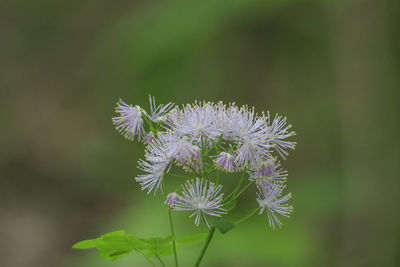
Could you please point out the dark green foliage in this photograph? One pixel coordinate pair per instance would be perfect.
(222, 225)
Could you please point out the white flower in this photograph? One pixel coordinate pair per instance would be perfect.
(160, 153)
(268, 170)
(152, 180)
(248, 130)
(130, 122)
(180, 148)
(277, 132)
(157, 114)
(268, 199)
(202, 198)
(224, 161)
(156, 165)
(198, 121)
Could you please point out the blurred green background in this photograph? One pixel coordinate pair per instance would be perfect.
(331, 67)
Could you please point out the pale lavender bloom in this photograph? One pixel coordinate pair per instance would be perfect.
(181, 149)
(157, 114)
(224, 161)
(278, 130)
(268, 170)
(156, 165)
(171, 200)
(160, 153)
(198, 121)
(195, 159)
(248, 130)
(168, 146)
(268, 199)
(202, 198)
(157, 151)
(152, 180)
(250, 150)
(149, 138)
(130, 122)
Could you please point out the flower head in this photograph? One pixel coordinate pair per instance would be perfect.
(157, 163)
(157, 113)
(201, 197)
(268, 199)
(277, 132)
(224, 162)
(130, 122)
(150, 137)
(198, 121)
(248, 130)
(171, 200)
(267, 170)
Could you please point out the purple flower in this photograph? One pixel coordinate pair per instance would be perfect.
(130, 122)
(224, 161)
(172, 199)
(268, 170)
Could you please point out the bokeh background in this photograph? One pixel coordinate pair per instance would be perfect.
(331, 67)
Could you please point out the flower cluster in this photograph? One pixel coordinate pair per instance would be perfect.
(205, 139)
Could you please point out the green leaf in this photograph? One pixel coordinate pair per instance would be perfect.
(192, 238)
(113, 245)
(222, 225)
(85, 244)
(158, 246)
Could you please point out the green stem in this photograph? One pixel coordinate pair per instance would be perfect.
(173, 234)
(193, 170)
(248, 215)
(176, 175)
(203, 156)
(147, 258)
(216, 144)
(209, 237)
(237, 187)
(244, 189)
(217, 181)
(147, 120)
(162, 263)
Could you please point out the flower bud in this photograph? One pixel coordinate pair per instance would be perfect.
(171, 200)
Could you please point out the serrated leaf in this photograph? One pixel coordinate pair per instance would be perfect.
(192, 238)
(113, 245)
(222, 225)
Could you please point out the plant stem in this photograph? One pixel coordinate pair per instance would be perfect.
(147, 258)
(173, 234)
(209, 237)
(248, 215)
(244, 189)
(162, 263)
(176, 175)
(237, 187)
